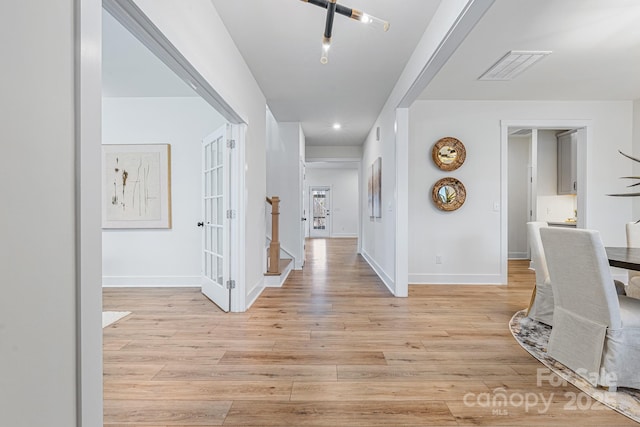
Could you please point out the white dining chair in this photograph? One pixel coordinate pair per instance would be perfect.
(633, 241)
(596, 332)
(541, 305)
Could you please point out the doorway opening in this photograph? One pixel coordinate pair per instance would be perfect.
(544, 165)
(145, 102)
(320, 211)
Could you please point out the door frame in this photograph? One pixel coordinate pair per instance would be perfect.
(238, 202)
(532, 178)
(302, 171)
(88, 122)
(330, 219)
(135, 21)
(585, 136)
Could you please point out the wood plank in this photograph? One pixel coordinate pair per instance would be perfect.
(124, 371)
(333, 414)
(385, 391)
(162, 357)
(203, 343)
(349, 345)
(459, 357)
(114, 344)
(303, 357)
(165, 412)
(248, 372)
(197, 390)
(425, 372)
(377, 335)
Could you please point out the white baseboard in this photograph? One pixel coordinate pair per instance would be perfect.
(344, 236)
(151, 281)
(518, 255)
(254, 293)
(388, 282)
(455, 279)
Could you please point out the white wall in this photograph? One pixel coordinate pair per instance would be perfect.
(200, 35)
(291, 230)
(378, 234)
(161, 257)
(344, 198)
(285, 145)
(314, 152)
(384, 237)
(469, 239)
(519, 150)
(38, 325)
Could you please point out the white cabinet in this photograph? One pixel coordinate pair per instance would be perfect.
(567, 159)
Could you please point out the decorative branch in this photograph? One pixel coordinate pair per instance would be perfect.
(628, 177)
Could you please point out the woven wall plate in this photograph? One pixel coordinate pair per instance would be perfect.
(448, 194)
(448, 153)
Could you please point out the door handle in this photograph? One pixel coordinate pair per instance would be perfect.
(201, 224)
(303, 219)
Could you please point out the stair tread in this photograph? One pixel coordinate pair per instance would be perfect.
(284, 262)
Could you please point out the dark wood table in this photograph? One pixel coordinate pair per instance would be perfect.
(627, 258)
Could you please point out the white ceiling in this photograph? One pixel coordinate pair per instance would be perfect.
(595, 44)
(281, 42)
(129, 69)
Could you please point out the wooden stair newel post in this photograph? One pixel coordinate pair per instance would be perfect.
(274, 247)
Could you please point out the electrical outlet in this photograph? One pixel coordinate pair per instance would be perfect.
(438, 259)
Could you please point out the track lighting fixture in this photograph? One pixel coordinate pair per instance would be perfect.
(333, 7)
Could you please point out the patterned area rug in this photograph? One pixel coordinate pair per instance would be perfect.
(533, 336)
(111, 317)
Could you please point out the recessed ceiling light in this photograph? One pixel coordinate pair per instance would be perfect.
(512, 64)
(337, 126)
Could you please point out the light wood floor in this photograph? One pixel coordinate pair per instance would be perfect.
(330, 348)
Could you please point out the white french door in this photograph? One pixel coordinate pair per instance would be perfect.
(320, 198)
(217, 215)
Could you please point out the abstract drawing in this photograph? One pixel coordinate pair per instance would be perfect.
(136, 187)
(377, 188)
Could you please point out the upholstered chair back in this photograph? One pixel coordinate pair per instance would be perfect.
(581, 276)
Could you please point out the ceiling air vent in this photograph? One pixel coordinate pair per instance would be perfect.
(512, 64)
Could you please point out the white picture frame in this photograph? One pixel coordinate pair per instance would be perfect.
(136, 186)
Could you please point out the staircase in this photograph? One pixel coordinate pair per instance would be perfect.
(278, 266)
(276, 280)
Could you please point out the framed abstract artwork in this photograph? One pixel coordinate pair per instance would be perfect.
(377, 188)
(370, 192)
(136, 186)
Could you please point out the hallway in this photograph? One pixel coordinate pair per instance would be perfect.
(332, 347)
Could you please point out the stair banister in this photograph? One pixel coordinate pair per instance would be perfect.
(274, 246)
